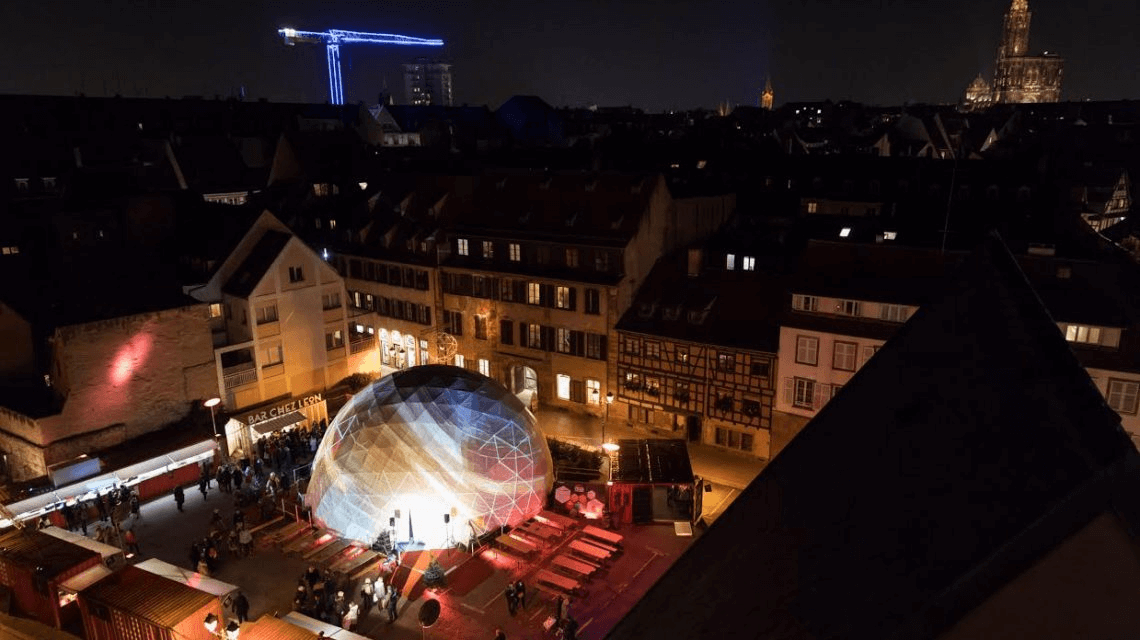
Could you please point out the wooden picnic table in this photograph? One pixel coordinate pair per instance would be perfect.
(589, 550)
(583, 569)
(326, 550)
(562, 582)
(514, 544)
(542, 532)
(603, 535)
(555, 520)
(594, 542)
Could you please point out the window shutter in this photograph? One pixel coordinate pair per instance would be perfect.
(817, 396)
(494, 292)
(603, 340)
(548, 339)
(789, 391)
(547, 295)
(522, 335)
(867, 353)
(578, 343)
(506, 332)
(427, 315)
(520, 290)
(573, 298)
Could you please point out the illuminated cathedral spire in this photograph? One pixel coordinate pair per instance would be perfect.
(768, 96)
(1015, 36)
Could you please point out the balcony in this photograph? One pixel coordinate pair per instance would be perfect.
(363, 344)
(238, 376)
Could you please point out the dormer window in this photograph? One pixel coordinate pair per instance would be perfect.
(22, 185)
(461, 246)
(49, 184)
(847, 307)
(645, 310)
(805, 303)
(749, 263)
(730, 262)
(332, 223)
(671, 312)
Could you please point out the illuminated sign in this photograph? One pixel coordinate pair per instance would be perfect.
(283, 409)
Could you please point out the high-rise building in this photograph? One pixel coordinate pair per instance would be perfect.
(1018, 76)
(427, 82)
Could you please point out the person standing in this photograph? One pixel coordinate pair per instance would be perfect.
(367, 595)
(393, 603)
(512, 603)
(131, 541)
(179, 496)
(520, 593)
(135, 505)
(245, 539)
(204, 485)
(241, 607)
(499, 635)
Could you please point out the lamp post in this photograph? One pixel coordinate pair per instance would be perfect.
(211, 403)
(608, 446)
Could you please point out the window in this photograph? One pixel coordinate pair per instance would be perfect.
(844, 232)
(633, 381)
(485, 367)
(216, 310)
(22, 185)
(725, 362)
(653, 350)
(749, 263)
(516, 252)
(681, 355)
(760, 369)
(893, 313)
(563, 386)
(1083, 334)
(1122, 395)
(542, 255)
(533, 293)
(488, 250)
(334, 340)
(681, 392)
(804, 393)
(653, 386)
(746, 442)
(750, 407)
(296, 274)
(562, 298)
(534, 336)
(49, 183)
(267, 313)
(847, 307)
(595, 346)
(461, 246)
(271, 356)
(602, 261)
(481, 327)
(10, 251)
(460, 361)
(835, 389)
(640, 415)
(332, 223)
(730, 262)
(805, 303)
(807, 350)
(593, 301)
(331, 300)
(507, 332)
(453, 322)
(577, 391)
(868, 352)
(813, 207)
(572, 258)
(562, 340)
(633, 346)
(593, 391)
(843, 357)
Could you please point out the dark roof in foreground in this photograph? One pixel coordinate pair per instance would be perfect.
(149, 596)
(651, 461)
(30, 549)
(971, 444)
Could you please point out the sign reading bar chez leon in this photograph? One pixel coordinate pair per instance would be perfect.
(282, 409)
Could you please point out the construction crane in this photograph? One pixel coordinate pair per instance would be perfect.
(333, 38)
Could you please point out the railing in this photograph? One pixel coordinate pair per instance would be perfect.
(356, 346)
(239, 376)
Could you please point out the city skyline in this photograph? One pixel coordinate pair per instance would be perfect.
(660, 56)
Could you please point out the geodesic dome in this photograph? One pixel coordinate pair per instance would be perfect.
(425, 442)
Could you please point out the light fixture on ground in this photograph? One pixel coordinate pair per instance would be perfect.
(608, 446)
(211, 403)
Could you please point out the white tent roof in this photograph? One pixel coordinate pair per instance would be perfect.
(188, 577)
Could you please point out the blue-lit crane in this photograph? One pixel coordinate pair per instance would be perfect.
(333, 38)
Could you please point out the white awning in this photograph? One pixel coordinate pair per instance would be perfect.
(187, 577)
(331, 631)
(278, 423)
(86, 578)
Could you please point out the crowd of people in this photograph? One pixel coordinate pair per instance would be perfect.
(329, 597)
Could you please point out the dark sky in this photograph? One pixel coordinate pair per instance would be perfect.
(657, 54)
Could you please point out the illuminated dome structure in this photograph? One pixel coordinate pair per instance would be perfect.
(427, 442)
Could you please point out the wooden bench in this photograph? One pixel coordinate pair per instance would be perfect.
(302, 541)
(601, 545)
(540, 531)
(583, 569)
(590, 551)
(608, 537)
(560, 522)
(552, 590)
(327, 550)
(567, 585)
(363, 563)
(518, 542)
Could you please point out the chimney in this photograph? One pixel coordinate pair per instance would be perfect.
(694, 262)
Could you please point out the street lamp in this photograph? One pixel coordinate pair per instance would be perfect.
(608, 446)
(211, 403)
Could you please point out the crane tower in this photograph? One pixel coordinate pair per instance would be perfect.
(334, 38)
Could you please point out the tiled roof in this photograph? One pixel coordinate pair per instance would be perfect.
(149, 596)
(971, 444)
(256, 264)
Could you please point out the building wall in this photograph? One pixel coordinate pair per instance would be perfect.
(1129, 419)
(826, 379)
(19, 359)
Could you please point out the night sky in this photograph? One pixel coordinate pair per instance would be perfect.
(659, 54)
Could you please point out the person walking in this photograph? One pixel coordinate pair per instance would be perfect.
(135, 505)
(179, 496)
(241, 607)
(245, 539)
(204, 485)
(132, 542)
(512, 602)
(393, 603)
(520, 593)
(367, 595)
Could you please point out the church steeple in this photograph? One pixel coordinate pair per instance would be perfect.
(1015, 36)
(768, 96)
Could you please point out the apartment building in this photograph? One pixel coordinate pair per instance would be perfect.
(540, 269)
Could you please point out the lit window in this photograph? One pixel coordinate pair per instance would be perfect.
(1082, 334)
(1122, 395)
(563, 384)
(890, 235)
(562, 340)
(461, 246)
(847, 307)
(488, 249)
(844, 232)
(749, 263)
(807, 350)
(485, 366)
(813, 207)
(216, 310)
(893, 313)
(460, 361)
(572, 258)
(271, 356)
(10, 251)
(296, 274)
(334, 340)
(843, 357)
(593, 391)
(267, 314)
(730, 262)
(516, 252)
(805, 303)
(534, 336)
(533, 293)
(562, 297)
(332, 223)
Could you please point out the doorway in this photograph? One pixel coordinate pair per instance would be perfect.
(694, 424)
